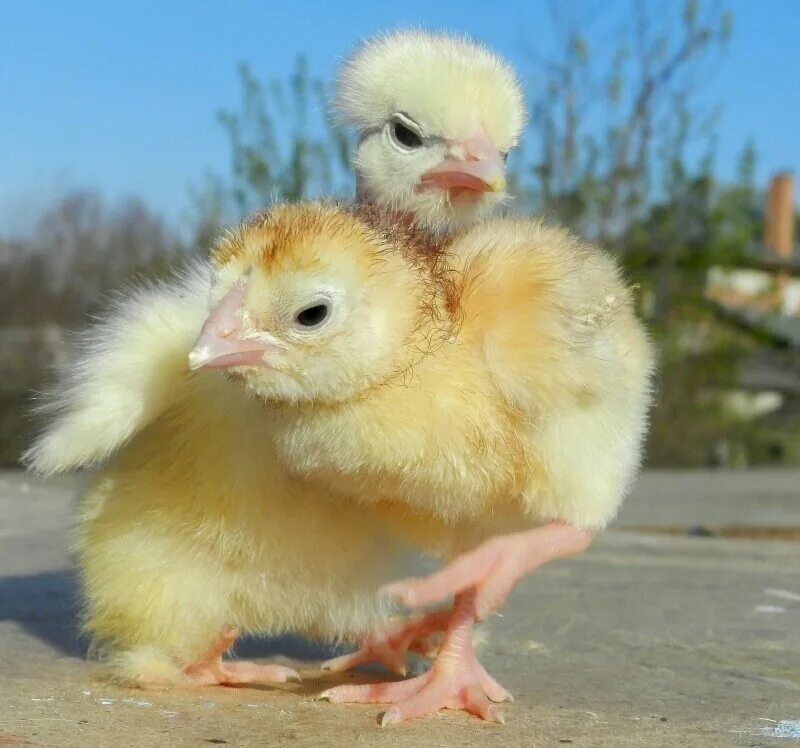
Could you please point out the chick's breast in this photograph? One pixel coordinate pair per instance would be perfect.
(436, 433)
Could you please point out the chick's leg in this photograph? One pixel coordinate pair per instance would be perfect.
(390, 644)
(494, 567)
(456, 679)
(212, 670)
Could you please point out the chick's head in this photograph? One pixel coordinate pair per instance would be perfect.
(436, 116)
(308, 303)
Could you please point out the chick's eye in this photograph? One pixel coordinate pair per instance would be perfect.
(405, 136)
(312, 316)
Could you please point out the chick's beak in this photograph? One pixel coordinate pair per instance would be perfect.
(223, 341)
(474, 165)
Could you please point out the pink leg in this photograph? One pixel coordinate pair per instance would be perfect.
(212, 670)
(493, 568)
(390, 645)
(455, 681)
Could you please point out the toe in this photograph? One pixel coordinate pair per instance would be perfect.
(250, 672)
(493, 690)
(493, 592)
(426, 701)
(394, 660)
(345, 662)
(375, 693)
(473, 700)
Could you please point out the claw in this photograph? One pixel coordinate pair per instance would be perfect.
(401, 592)
(390, 717)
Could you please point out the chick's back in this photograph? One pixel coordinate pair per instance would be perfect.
(555, 325)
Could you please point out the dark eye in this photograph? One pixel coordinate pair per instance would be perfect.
(312, 316)
(504, 156)
(405, 136)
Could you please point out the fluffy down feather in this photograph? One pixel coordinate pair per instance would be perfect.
(451, 83)
(129, 368)
(192, 527)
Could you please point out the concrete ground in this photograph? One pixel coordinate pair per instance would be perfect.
(681, 626)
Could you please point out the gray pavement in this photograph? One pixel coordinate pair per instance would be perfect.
(651, 638)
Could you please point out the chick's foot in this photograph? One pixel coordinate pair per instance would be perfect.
(212, 670)
(390, 645)
(455, 681)
(493, 568)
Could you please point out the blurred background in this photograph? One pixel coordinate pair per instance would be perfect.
(131, 132)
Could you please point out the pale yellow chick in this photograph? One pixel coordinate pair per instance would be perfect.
(133, 368)
(436, 116)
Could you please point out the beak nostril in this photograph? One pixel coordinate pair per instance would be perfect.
(458, 152)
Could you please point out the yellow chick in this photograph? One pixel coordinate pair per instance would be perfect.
(355, 386)
(498, 384)
(436, 116)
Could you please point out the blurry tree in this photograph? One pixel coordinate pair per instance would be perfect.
(613, 111)
(56, 275)
(621, 147)
(283, 146)
(736, 215)
(79, 249)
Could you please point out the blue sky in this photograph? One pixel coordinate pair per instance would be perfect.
(121, 95)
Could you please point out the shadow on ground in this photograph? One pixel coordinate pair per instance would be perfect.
(46, 606)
